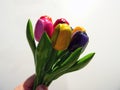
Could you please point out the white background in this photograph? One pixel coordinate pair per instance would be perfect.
(101, 18)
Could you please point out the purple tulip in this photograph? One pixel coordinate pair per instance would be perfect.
(79, 39)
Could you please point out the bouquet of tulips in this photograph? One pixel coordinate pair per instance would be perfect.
(58, 49)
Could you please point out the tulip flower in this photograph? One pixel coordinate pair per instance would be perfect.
(79, 39)
(61, 20)
(61, 36)
(44, 24)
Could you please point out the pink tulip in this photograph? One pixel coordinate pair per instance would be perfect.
(44, 24)
(48, 27)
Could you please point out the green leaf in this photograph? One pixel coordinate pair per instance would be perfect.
(81, 63)
(71, 59)
(65, 65)
(30, 36)
(42, 56)
(51, 61)
(61, 53)
(61, 58)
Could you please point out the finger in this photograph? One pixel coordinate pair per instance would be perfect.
(19, 87)
(29, 82)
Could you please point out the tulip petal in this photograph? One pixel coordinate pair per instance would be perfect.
(39, 30)
(48, 27)
(78, 28)
(46, 17)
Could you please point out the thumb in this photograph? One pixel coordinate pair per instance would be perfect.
(42, 87)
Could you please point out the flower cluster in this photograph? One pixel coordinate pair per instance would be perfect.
(58, 50)
(61, 34)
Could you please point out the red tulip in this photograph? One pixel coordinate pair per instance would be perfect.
(60, 21)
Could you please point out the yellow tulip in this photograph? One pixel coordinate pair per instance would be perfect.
(61, 36)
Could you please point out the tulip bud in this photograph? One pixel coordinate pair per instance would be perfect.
(79, 39)
(44, 24)
(61, 20)
(61, 36)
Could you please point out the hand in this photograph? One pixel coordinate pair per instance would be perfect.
(28, 84)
